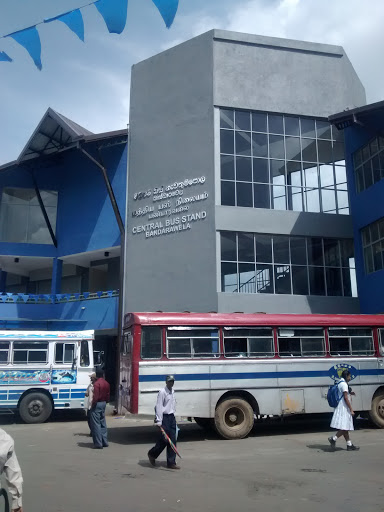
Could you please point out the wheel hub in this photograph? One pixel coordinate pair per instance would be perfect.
(380, 408)
(35, 408)
(234, 417)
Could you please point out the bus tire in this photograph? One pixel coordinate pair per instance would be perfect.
(205, 423)
(35, 407)
(376, 414)
(234, 418)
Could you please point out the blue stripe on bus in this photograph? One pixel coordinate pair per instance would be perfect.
(253, 375)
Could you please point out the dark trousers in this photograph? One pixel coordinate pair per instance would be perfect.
(99, 425)
(169, 425)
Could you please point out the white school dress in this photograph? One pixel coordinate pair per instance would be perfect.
(342, 417)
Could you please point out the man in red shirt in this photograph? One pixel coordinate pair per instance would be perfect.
(101, 392)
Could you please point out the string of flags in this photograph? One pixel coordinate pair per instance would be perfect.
(114, 13)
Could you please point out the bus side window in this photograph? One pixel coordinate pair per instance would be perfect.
(4, 351)
(30, 352)
(64, 353)
(84, 353)
(151, 343)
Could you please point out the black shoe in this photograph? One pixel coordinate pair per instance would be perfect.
(332, 442)
(352, 448)
(152, 460)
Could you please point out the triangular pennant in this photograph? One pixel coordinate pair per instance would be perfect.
(3, 298)
(24, 297)
(4, 57)
(48, 298)
(73, 20)
(110, 293)
(114, 13)
(29, 38)
(167, 9)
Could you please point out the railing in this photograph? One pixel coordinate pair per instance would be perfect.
(57, 298)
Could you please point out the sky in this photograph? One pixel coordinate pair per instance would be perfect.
(90, 82)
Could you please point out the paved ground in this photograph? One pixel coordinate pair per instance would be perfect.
(280, 467)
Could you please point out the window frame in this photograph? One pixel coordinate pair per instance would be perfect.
(300, 338)
(248, 338)
(8, 350)
(64, 343)
(191, 338)
(351, 353)
(27, 362)
(142, 330)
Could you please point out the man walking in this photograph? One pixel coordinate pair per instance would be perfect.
(9, 466)
(101, 395)
(165, 417)
(88, 402)
(342, 418)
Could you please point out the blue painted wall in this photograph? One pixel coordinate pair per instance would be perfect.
(80, 315)
(366, 207)
(85, 222)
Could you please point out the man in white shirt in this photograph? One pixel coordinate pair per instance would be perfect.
(9, 466)
(165, 417)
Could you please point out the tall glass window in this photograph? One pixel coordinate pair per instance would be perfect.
(282, 162)
(373, 246)
(369, 164)
(275, 264)
(21, 218)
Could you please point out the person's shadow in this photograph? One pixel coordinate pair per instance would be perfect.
(324, 448)
(160, 464)
(85, 445)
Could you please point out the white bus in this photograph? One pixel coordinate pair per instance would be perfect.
(232, 368)
(44, 370)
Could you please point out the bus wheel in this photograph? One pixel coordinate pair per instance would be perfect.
(35, 408)
(376, 413)
(205, 423)
(234, 418)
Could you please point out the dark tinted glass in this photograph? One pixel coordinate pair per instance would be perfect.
(275, 123)
(292, 126)
(227, 167)
(246, 247)
(308, 128)
(260, 144)
(334, 285)
(298, 251)
(289, 347)
(226, 118)
(243, 168)
(281, 249)
(261, 196)
(264, 278)
(316, 280)
(246, 277)
(263, 248)
(259, 122)
(227, 142)
(283, 279)
(242, 120)
(244, 194)
(325, 151)
(229, 277)
(300, 280)
(260, 170)
(228, 246)
(276, 146)
(309, 151)
(228, 197)
(243, 143)
(323, 129)
(331, 252)
(315, 251)
(293, 148)
(151, 343)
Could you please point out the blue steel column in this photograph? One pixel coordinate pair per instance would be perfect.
(57, 271)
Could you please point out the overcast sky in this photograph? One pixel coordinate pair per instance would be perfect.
(90, 82)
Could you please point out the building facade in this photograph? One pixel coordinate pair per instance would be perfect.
(59, 238)
(364, 142)
(237, 190)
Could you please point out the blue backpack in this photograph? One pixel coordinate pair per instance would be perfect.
(333, 395)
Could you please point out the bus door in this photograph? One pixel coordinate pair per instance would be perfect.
(126, 369)
(380, 360)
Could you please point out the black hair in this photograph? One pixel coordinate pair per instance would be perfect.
(99, 373)
(345, 374)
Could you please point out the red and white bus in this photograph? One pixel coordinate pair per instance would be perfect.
(233, 368)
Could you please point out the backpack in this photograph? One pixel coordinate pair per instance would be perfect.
(333, 395)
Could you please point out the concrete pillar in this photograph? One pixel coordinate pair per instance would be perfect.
(57, 271)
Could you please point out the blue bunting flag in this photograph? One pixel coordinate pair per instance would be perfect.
(168, 10)
(29, 38)
(114, 13)
(73, 20)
